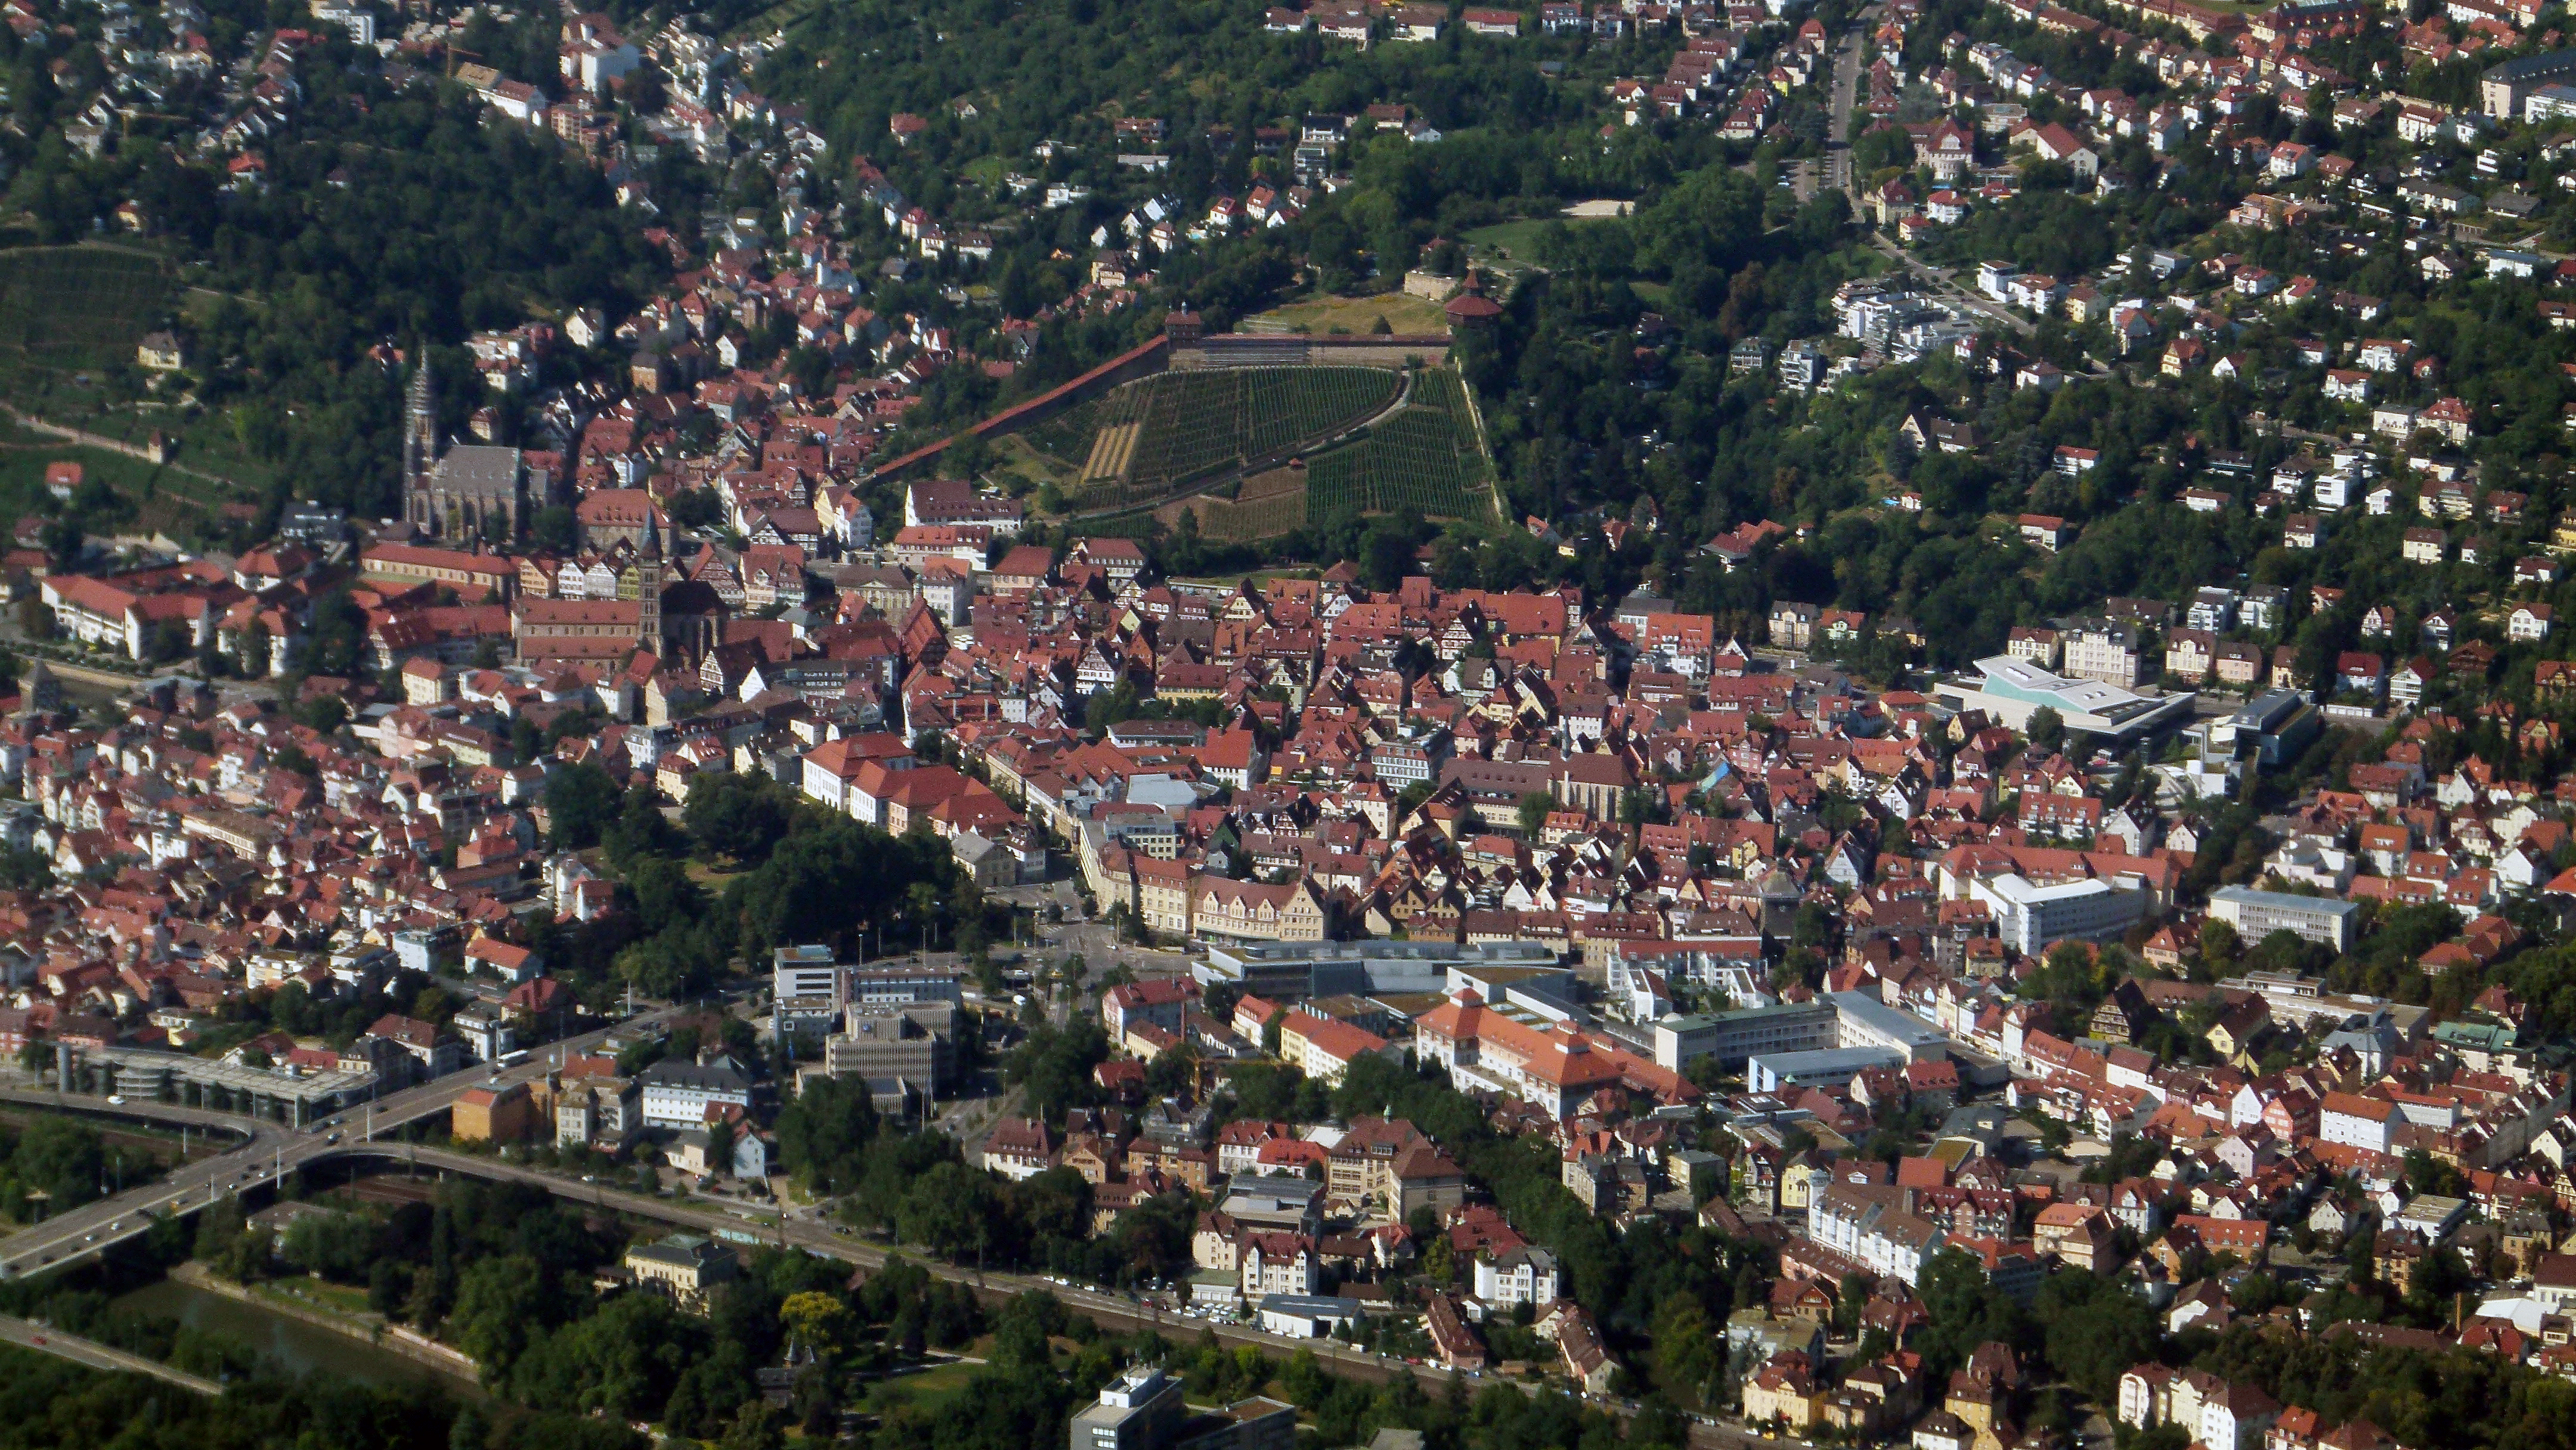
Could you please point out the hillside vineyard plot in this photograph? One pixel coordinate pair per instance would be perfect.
(1426, 459)
(1197, 422)
(76, 306)
(1189, 425)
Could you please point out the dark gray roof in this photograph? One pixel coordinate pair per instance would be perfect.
(720, 1074)
(472, 468)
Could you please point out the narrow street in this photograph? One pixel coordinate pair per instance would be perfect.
(1942, 283)
(1842, 97)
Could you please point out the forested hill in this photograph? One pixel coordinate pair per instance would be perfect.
(995, 80)
(387, 216)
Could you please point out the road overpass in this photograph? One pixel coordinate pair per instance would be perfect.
(270, 1151)
(275, 1150)
(29, 1335)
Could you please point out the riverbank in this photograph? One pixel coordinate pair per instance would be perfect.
(369, 1330)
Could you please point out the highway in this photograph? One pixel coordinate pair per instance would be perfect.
(270, 1150)
(257, 1161)
(70, 1234)
(27, 1335)
(1110, 1310)
(826, 1242)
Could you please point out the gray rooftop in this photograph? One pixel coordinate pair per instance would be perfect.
(2285, 901)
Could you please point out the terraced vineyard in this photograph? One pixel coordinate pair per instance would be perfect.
(1263, 507)
(1198, 422)
(1069, 435)
(76, 307)
(1143, 442)
(1166, 443)
(1426, 459)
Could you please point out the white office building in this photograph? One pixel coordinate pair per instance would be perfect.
(2258, 914)
(2011, 690)
(803, 971)
(2030, 916)
(1139, 1410)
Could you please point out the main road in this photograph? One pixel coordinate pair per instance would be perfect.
(268, 1152)
(1113, 1310)
(271, 1150)
(274, 1149)
(46, 1340)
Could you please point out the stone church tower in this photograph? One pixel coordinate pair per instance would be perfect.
(648, 598)
(464, 495)
(419, 448)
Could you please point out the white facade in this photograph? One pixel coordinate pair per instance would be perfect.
(1523, 1276)
(1272, 1268)
(2357, 1128)
(2032, 916)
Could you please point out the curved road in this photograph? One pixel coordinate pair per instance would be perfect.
(27, 1335)
(270, 1150)
(75, 1231)
(275, 1149)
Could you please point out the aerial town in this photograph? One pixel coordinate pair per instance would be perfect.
(1159, 727)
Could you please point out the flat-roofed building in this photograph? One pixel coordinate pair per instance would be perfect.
(1733, 1037)
(2258, 914)
(1861, 1020)
(2011, 691)
(1786, 1072)
(913, 1041)
(1139, 1410)
(2029, 916)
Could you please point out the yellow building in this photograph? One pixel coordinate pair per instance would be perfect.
(492, 1115)
(684, 1266)
(1784, 1392)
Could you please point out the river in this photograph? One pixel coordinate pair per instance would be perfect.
(289, 1344)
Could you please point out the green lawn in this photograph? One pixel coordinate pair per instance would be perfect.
(928, 1389)
(312, 1293)
(1515, 242)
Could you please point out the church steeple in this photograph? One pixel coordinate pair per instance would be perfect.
(648, 596)
(419, 447)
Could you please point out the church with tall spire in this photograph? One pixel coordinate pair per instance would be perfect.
(458, 494)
